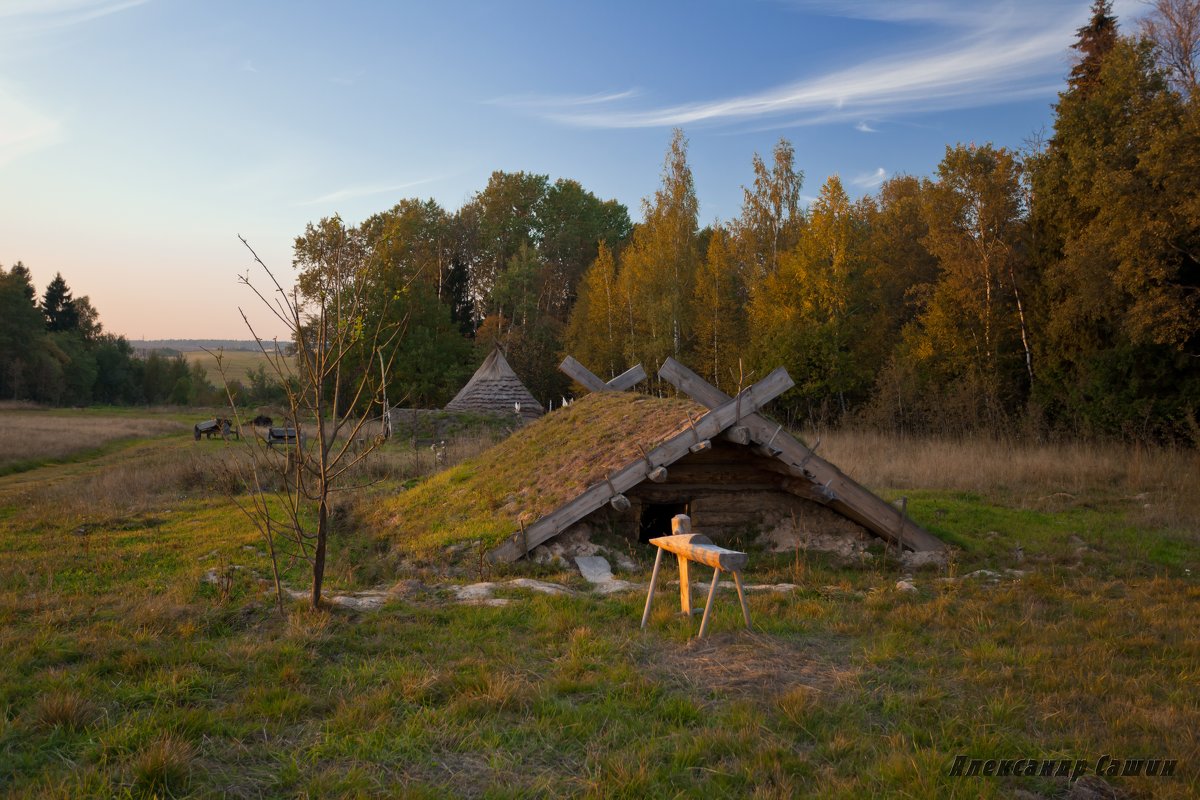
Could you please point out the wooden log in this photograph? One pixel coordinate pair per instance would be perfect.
(668, 452)
(851, 499)
(700, 447)
(581, 375)
(699, 548)
(658, 474)
(681, 525)
(619, 502)
(627, 379)
(738, 434)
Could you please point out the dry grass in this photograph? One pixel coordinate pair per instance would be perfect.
(41, 435)
(1047, 476)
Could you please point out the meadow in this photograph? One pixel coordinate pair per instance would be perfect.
(238, 364)
(144, 656)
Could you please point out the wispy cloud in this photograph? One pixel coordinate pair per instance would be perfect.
(23, 129)
(869, 180)
(61, 13)
(863, 127)
(563, 100)
(993, 54)
(352, 192)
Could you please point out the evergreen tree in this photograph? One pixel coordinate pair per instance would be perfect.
(1119, 235)
(58, 307)
(22, 332)
(1093, 43)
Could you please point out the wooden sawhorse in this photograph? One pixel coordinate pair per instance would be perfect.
(689, 547)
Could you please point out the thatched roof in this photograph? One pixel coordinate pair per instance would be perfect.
(495, 387)
(534, 471)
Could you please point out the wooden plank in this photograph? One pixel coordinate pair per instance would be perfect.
(849, 498)
(627, 379)
(581, 375)
(595, 496)
(586, 378)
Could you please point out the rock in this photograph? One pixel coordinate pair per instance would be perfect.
(595, 569)
(539, 586)
(923, 558)
(473, 591)
(905, 586)
(983, 574)
(565, 547)
(1091, 787)
(360, 601)
(481, 593)
(406, 588)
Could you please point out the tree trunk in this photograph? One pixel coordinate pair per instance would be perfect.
(319, 555)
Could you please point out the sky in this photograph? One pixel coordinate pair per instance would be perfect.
(140, 138)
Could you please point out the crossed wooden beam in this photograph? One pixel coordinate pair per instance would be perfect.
(582, 375)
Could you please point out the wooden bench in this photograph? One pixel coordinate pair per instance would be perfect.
(215, 427)
(286, 436)
(691, 547)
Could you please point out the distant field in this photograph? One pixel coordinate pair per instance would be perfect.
(238, 363)
(36, 435)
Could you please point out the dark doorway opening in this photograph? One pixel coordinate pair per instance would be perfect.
(656, 519)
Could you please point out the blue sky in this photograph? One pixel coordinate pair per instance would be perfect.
(138, 138)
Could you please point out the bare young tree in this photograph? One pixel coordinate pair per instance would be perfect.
(1174, 28)
(292, 476)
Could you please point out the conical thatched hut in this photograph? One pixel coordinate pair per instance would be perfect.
(496, 388)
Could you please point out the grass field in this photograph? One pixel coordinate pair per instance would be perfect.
(237, 363)
(143, 656)
(32, 436)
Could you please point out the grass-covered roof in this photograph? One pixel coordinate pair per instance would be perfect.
(534, 471)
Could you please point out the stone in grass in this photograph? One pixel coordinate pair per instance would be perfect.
(595, 569)
(905, 586)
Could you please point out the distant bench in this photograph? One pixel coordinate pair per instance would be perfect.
(285, 436)
(215, 427)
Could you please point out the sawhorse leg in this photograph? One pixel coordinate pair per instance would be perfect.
(737, 581)
(712, 590)
(653, 580)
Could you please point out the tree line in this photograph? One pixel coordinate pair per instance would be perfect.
(1053, 288)
(54, 350)
(1056, 287)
